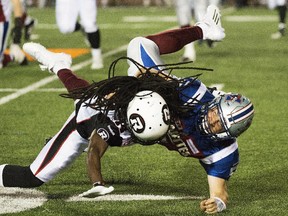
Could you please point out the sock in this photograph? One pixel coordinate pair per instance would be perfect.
(173, 40)
(94, 39)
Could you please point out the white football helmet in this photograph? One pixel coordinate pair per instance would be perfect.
(235, 113)
(148, 116)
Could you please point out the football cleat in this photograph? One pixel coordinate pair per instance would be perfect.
(97, 63)
(211, 24)
(189, 53)
(17, 54)
(28, 28)
(50, 61)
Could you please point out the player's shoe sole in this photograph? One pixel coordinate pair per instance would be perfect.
(48, 60)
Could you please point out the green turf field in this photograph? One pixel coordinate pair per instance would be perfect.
(247, 61)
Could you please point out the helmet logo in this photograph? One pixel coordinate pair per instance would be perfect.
(166, 114)
(137, 123)
(233, 98)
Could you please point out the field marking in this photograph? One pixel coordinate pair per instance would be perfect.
(131, 197)
(50, 79)
(20, 199)
(251, 18)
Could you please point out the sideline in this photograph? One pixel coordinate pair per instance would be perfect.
(50, 79)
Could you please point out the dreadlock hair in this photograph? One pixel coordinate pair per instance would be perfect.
(116, 92)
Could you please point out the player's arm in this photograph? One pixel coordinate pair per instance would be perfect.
(218, 196)
(17, 8)
(96, 149)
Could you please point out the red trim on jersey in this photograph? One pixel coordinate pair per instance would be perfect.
(173, 40)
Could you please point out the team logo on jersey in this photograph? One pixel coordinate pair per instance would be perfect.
(137, 123)
(103, 134)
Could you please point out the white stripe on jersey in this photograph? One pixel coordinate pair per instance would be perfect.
(220, 154)
(198, 94)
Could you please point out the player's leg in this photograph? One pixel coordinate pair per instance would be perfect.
(88, 14)
(184, 16)
(67, 12)
(4, 58)
(57, 154)
(145, 52)
(282, 10)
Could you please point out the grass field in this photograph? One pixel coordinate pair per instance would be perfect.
(247, 61)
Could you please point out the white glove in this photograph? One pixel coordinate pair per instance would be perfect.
(98, 190)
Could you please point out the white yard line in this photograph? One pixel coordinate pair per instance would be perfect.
(50, 79)
(132, 197)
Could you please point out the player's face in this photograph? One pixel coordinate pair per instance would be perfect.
(214, 121)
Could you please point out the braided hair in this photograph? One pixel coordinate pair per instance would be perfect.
(116, 92)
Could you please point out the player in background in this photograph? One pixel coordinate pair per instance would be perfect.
(7, 8)
(186, 12)
(281, 6)
(110, 109)
(67, 14)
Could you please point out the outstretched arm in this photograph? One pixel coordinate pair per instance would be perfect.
(96, 149)
(218, 196)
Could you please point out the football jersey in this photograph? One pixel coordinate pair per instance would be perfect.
(219, 158)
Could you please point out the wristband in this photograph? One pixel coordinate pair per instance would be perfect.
(221, 206)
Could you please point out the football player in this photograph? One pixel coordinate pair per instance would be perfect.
(16, 53)
(179, 113)
(67, 12)
(186, 10)
(281, 6)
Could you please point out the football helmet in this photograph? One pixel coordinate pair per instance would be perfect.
(148, 116)
(232, 114)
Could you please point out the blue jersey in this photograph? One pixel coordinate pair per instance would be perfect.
(219, 158)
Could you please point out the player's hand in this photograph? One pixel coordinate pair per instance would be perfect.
(209, 206)
(98, 190)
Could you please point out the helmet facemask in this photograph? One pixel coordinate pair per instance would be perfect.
(227, 116)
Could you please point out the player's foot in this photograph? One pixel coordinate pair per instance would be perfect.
(189, 53)
(97, 60)
(97, 63)
(17, 54)
(211, 25)
(28, 28)
(48, 60)
(280, 33)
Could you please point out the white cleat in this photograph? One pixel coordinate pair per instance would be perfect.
(211, 24)
(189, 53)
(48, 60)
(17, 54)
(97, 63)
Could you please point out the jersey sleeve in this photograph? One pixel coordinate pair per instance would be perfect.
(223, 168)
(107, 129)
